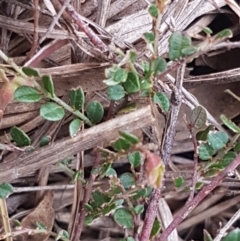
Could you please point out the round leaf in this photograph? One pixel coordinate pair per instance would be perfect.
(162, 100)
(153, 10)
(227, 159)
(135, 158)
(27, 94)
(115, 92)
(120, 75)
(139, 209)
(218, 140)
(21, 138)
(74, 127)
(121, 144)
(123, 217)
(178, 182)
(205, 151)
(51, 111)
(159, 65)
(127, 180)
(198, 117)
(149, 36)
(77, 98)
(132, 84)
(95, 112)
(5, 190)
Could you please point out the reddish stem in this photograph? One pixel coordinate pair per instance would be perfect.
(184, 212)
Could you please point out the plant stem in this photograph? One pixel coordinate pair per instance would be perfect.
(184, 212)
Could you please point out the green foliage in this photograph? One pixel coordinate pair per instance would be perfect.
(99, 199)
(45, 140)
(129, 137)
(198, 117)
(124, 218)
(63, 234)
(135, 158)
(132, 84)
(121, 144)
(51, 111)
(233, 235)
(207, 236)
(95, 112)
(232, 126)
(226, 33)
(162, 100)
(202, 135)
(30, 71)
(127, 180)
(218, 139)
(177, 43)
(237, 147)
(207, 30)
(5, 190)
(27, 94)
(74, 127)
(227, 159)
(155, 229)
(139, 209)
(115, 92)
(20, 137)
(115, 75)
(41, 226)
(77, 98)
(153, 10)
(206, 151)
(178, 182)
(48, 85)
(159, 65)
(149, 37)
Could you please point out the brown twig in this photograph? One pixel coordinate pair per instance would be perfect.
(184, 212)
(84, 27)
(86, 197)
(150, 215)
(35, 35)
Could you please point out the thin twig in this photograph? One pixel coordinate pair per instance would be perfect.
(223, 230)
(184, 212)
(84, 27)
(86, 197)
(35, 35)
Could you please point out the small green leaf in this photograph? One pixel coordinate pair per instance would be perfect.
(153, 10)
(207, 30)
(111, 172)
(146, 84)
(139, 209)
(88, 220)
(227, 159)
(132, 84)
(212, 172)
(226, 33)
(121, 144)
(133, 56)
(88, 207)
(115, 92)
(108, 209)
(52, 112)
(129, 137)
(48, 84)
(120, 76)
(140, 193)
(162, 100)
(218, 140)
(207, 236)
(95, 112)
(177, 42)
(178, 182)
(5, 190)
(77, 98)
(232, 126)
(62, 234)
(45, 140)
(202, 135)
(30, 71)
(128, 108)
(21, 138)
(189, 50)
(135, 158)
(155, 229)
(100, 198)
(41, 226)
(205, 151)
(130, 239)
(198, 185)
(159, 65)
(198, 117)
(237, 147)
(124, 218)
(105, 169)
(27, 94)
(149, 36)
(74, 127)
(233, 235)
(127, 180)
